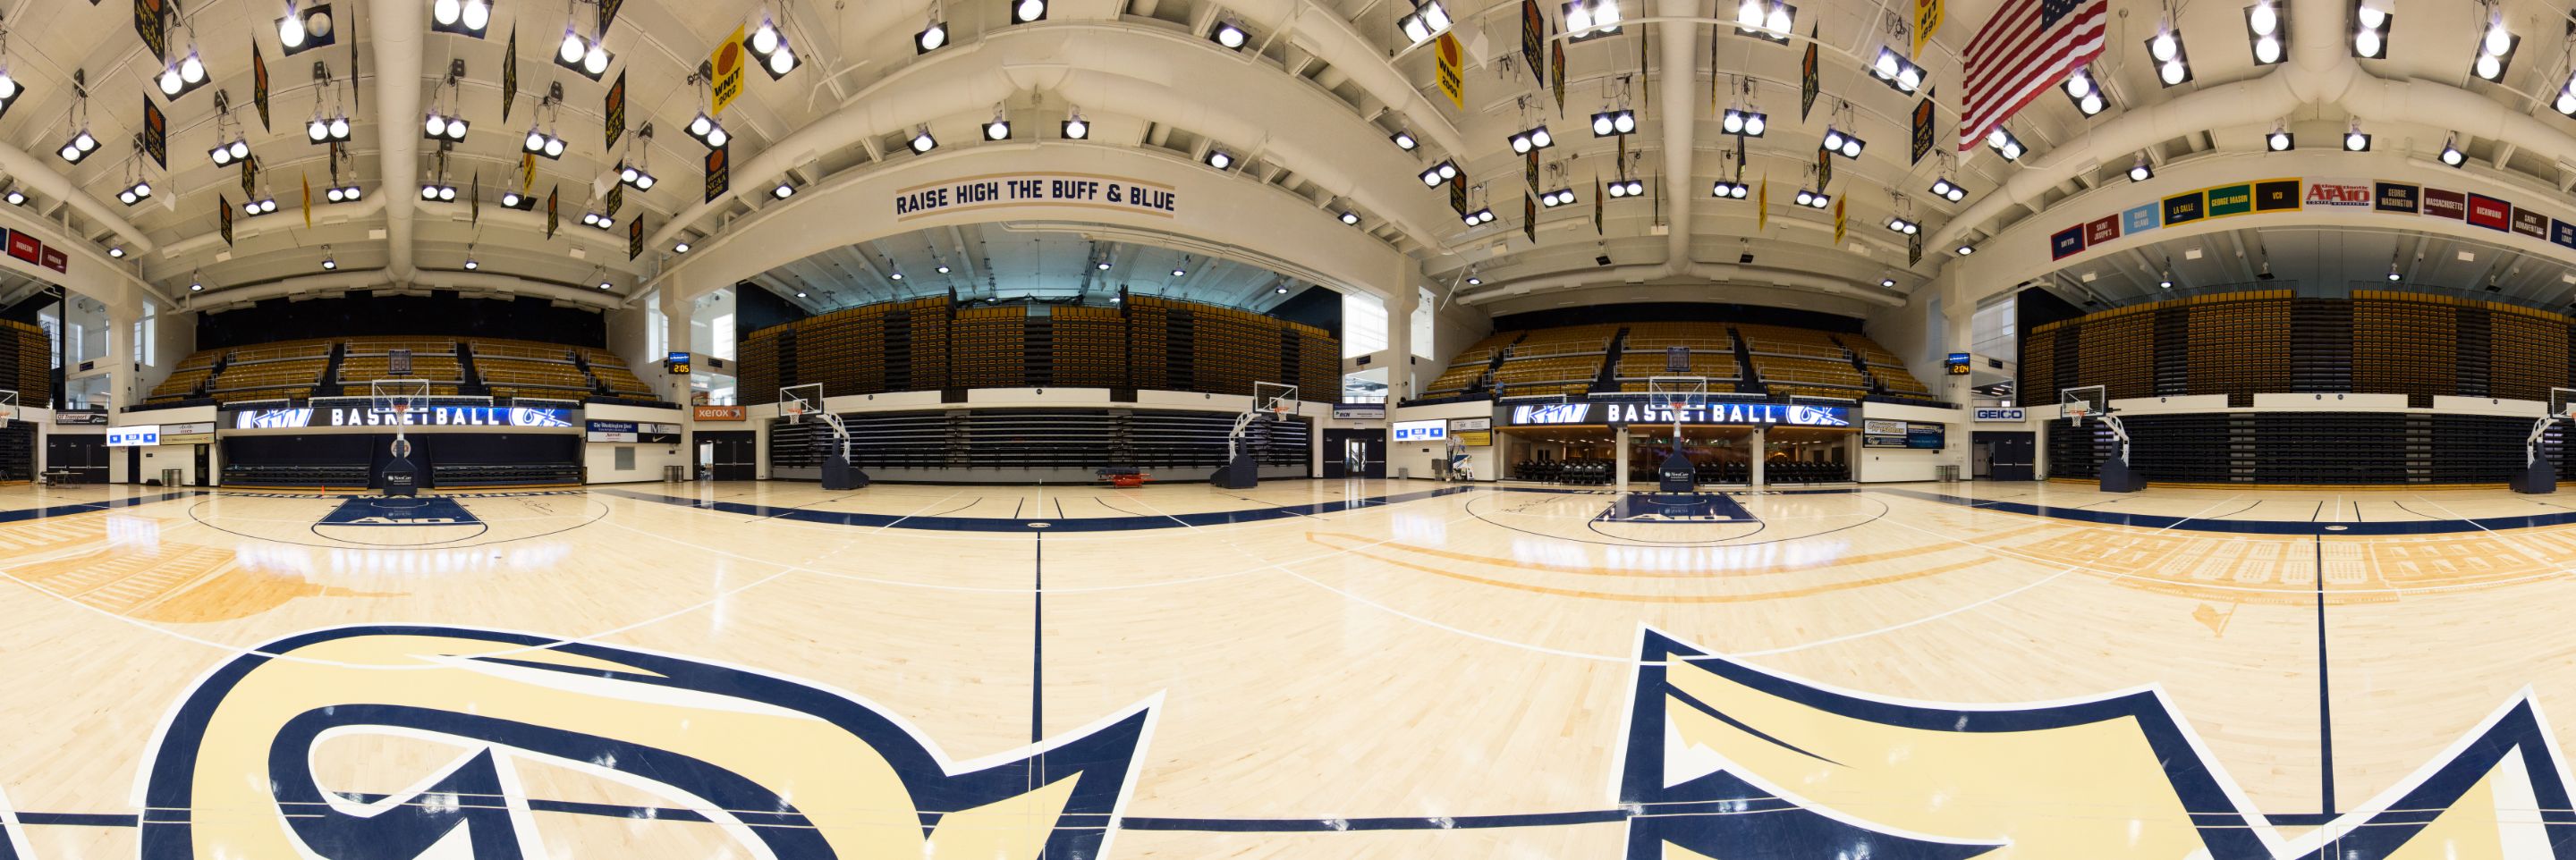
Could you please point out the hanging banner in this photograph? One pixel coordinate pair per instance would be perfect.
(1053, 190)
(259, 83)
(2066, 243)
(1556, 67)
(2395, 197)
(1762, 206)
(552, 195)
(2491, 213)
(608, 15)
(1913, 248)
(1927, 21)
(613, 110)
(156, 134)
(152, 23)
(1529, 168)
(1838, 220)
(510, 75)
(635, 237)
(1824, 169)
(1596, 204)
(1451, 73)
(719, 173)
(1807, 85)
(616, 200)
(726, 63)
(1529, 218)
(1533, 32)
(250, 177)
(473, 200)
(224, 219)
(1458, 195)
(527, 173)
(307, 182)
(1923, 127)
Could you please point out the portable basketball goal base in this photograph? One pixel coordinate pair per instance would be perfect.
(1271, 401)
(1678, 397)
(399, 399)
(2539, 475)
(797, 403)
(2094, 402)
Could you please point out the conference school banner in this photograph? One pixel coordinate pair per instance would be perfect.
(2320, 195)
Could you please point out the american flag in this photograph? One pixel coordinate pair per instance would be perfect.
(2027, 47)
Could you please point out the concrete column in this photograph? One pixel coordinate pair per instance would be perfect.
(1399, 335)
(1620, 480)
(1758, 442)
(1958, 313)
(122, 353)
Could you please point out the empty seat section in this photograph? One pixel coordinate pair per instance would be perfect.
(1644, 355)
(1556, 361)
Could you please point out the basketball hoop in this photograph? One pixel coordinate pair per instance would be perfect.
(1678, 407)
(2077, 415)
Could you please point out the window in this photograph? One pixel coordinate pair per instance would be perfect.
(625, 458)
(146, 330)
(1367, 386)
(1425, 308)
(657, 325)
(1363, 324)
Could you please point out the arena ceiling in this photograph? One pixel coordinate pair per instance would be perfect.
(862, 87)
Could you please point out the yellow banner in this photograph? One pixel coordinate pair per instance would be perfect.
(1452, 77)
(727, 64)
(1762, 206)
(1838, 221)
(1927, 20)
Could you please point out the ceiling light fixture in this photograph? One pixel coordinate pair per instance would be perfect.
(2354, 140)
(1745, 122)
(2451, 153)
(2004, 144)
(2086, 94)
(1897, 72)
(1228, 34)
(2280, 140)
(1220, 159)
(306, 30)
(135, 193)
(769, 42)
(1403, 140)
(932, 36)
(783, 191)
(1843, 143)
(1074, 126)
(2495, 49)
(2263, 32)
(1533, 139)
(1427, 19)
(2173, 64)
(1948, 190)
(2140, 171)
(1761, 20)
(922, 142)
(468, 18)
(116, 252)
(1614, 122)
(1349, 217)
(680, 248)
(2371, 22)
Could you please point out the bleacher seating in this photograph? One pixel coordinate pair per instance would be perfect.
(294, 476)
(621, 382)
(1810, 377)
(518, 349)
(272, 371)
(1469, 365)
(1712, 354)
(1556, 361)
(561, 378)
(452, 476)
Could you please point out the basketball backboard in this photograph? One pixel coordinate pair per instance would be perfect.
(2562, 403)
(2089, 401)
(397, 395)
(797, 401)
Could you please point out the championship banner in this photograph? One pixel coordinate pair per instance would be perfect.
(1556, 67)
(224, 219)
(259, 83)
(156, 134)
(1923, 127)
(1927, 21)
(473, 199)
(1762, 206)
(719, 173)
(1807, 84)
(510, 74)
(1458, 195)
(1450, 77)
(250, 177)
(727, 65)
(527, 172)
(1529, 168)
(613, 110)
(608, 15)
(1596, 204)
(1913, 248)
(616, 200)
(552, 195)
(152, 23)
(1838, 220)
(307, 182)
(1529, 217)
(635, 237)
(1533, 32)
(1824, 169)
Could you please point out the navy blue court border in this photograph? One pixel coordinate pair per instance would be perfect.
(2245, 527)
(1031, 526)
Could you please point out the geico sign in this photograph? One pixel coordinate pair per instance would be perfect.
(2014, 414)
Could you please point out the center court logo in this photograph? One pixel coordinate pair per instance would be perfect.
(783, 768)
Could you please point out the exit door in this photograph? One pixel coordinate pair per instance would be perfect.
(1354, 453)
(2006, 455)
(735, 454)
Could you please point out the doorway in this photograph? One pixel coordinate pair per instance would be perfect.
(1355, 454)
(2004, 455)
(205, 465)
(82, 456)
(732, 455)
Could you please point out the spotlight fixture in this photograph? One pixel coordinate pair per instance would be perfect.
(343, 194)
(2280, 140)
(2263, 30)
(443, 128)
(931, 38)
(2165, 281)
(680, 248)
(441, 192)
(2566, 103)
(1350, 218)
(1074, 126)
(1906, 227)
(1765, 20)
(1102, 265)
(2354, 140)
(1473, 281)
(261, 206)
(1591, 19)
(1028, 11)
(942, 268)
(2451, 153)
(922, 142)
(1745, 122)
(1947, 190)
(542, 142)
(1614, 122)
(332, 130)
(1229, 35)
(224, 155)
(9, 90)
(329, 262)
(598, 220)
(769, 43)
(896, 269)
(1727, 189)
(784, 191)
(1220, 159)
(1556, 198)
(1897, 72)
(516, 200)
(303, 31)
(183, 76)
(1425, 21)
(1536, 138)
(2004, 144)
(2086, 94)
(79, 147)
(1403, 140)
(635, 177)
(468, 18)
(604, 285)
(15, 197)
(1480, 216)
(1281, 289)
(1626, 188)
(2140, 171)
(1889, 283)
(1965, 250)
(196, 286)
(707, 132)
(800, 294)
(471, 264)
(1843, 143)
(2173, 64)
(1183, 267)
(116, 252)
(135, 193)
(2495, 50)
(1438, 173)
(998, 129)
(2393, 275)
(2370, 29)
(583, 55)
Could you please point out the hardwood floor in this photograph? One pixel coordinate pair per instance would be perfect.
(1306, 669)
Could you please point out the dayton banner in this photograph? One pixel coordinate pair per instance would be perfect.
(1004, 190)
